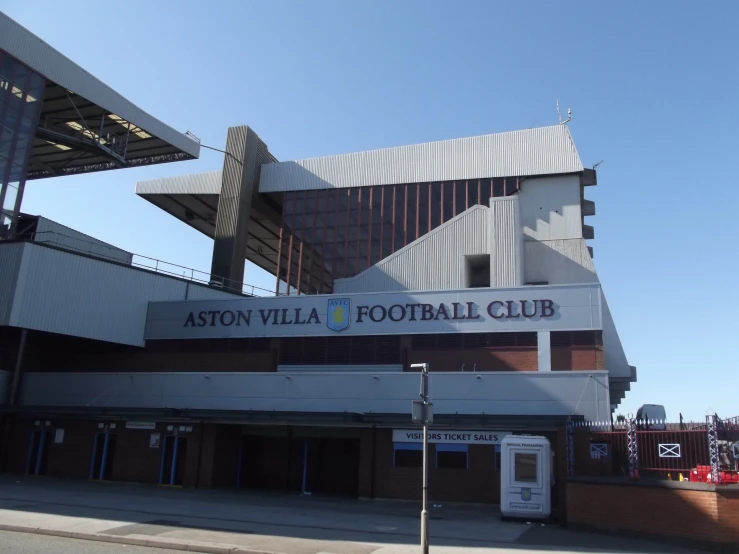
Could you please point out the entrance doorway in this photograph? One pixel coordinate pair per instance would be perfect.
(103, 454)
(315, 465)
(332, 466)
(38, 452)
(172, 466)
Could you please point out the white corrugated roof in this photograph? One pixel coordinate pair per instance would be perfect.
(540, 151)
(195, 183)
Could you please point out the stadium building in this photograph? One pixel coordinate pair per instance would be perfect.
(468, 254)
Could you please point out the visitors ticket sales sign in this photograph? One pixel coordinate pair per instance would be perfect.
(447, 436)
(565, 307)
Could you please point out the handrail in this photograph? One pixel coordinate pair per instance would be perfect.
(152, 264)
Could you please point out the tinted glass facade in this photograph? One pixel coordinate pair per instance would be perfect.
(21, 92)
(336, 233)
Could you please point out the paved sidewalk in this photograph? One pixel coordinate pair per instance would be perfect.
(237, 522)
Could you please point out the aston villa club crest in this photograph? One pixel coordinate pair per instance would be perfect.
(526, 495)
(339, 312)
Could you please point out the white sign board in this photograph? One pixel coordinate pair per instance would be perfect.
(448, 436)
(540, 308)
(59, 436)
(146, 425)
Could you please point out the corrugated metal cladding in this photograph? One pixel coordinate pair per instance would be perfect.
(506, 243)
(23, 45)
(62, 236)
(60, 292)
(196, 183)
(541, 151)
(433, 262)
(558, 262)
(502, 393)
(10, 262)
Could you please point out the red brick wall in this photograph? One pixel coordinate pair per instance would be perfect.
(479, 483)
(515, 358)
(676, 510)
(577, 358)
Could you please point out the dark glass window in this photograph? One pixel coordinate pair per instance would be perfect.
(473, 191)
(344, 231)
(451, 456)
(448, 200)
(498, 188)
(424, 209)
(388, 221)
(407, 454)
(412, 195)
(435, 205)
(460, 196)
(524, 467)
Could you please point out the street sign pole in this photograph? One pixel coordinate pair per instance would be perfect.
(426, 418)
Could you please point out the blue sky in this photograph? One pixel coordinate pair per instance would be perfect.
(653, 86)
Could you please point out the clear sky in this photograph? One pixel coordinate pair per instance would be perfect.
(653, 86)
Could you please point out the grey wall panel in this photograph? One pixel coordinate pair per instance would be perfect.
(541, 151)
(61, 292)
(433, 262)
(196, 183)
(613, 351)
(559, 262)
(506, 243)
(74, 295)
(52, 64)
(550, 208)
(11, 255)
(60, 235)
(195, 291)
(516, 393)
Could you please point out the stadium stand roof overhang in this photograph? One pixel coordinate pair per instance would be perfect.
(85, 125)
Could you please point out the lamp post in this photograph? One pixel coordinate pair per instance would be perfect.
(421, 412)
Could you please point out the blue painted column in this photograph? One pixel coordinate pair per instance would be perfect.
(105, 456)
(94, 451)
(305, 465)
(161, 464)
(40, 455)
(174, 460)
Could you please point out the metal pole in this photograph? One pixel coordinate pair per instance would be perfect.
(424, 501)
(424, 496)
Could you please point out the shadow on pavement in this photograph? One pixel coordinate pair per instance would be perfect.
(272, 521)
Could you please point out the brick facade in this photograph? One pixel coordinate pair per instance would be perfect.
(450, 352)
(677, 510)
(479, 483)
(361, 459)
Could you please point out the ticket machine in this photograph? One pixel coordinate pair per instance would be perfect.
(526, 477)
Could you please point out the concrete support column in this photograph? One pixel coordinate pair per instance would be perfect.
(545, 350)
(245, 154)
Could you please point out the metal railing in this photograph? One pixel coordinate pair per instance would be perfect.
(117, 255)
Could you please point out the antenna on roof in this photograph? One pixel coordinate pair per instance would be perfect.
(559, 115)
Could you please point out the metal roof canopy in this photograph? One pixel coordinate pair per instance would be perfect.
(193, 199)
(524, 153)
(85, 125)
